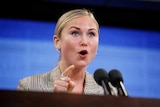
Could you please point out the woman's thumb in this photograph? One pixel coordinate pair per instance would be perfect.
(71, 86)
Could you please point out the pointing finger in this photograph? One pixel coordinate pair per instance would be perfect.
(68, 70)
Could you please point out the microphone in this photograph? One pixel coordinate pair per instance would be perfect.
(116, 80)
(101, 77)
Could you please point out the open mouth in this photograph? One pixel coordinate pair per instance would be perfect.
(83, 52)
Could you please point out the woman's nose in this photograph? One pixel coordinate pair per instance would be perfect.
(83, 41)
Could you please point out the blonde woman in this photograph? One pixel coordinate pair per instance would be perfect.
(76, 38)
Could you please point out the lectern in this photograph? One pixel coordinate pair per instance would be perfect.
(42, 99)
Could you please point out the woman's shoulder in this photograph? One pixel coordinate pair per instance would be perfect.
(38, 81)
(47, 74)
(32, 82)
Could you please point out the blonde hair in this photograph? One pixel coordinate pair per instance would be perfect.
(66, 17)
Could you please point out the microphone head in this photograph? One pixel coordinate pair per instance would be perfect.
(115, 77)
(100, 75)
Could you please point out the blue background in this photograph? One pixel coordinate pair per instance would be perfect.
(26, 48)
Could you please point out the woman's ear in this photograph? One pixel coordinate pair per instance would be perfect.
(57, 43)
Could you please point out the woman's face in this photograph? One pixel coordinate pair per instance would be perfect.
(79, 41)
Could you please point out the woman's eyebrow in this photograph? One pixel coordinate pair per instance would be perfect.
(74, 27)
(79, 28)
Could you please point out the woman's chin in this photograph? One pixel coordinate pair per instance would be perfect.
(81, 65)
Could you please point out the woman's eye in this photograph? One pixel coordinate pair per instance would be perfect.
(91, 34)
(75, 33)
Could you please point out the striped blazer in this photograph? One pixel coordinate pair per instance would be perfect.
(44, 83)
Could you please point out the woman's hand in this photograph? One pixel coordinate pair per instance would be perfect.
(63, 83)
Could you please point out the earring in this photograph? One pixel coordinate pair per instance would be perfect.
(58, 50)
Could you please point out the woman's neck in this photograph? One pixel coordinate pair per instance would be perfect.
(75, 74)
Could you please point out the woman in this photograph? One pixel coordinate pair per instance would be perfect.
(76, 38)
